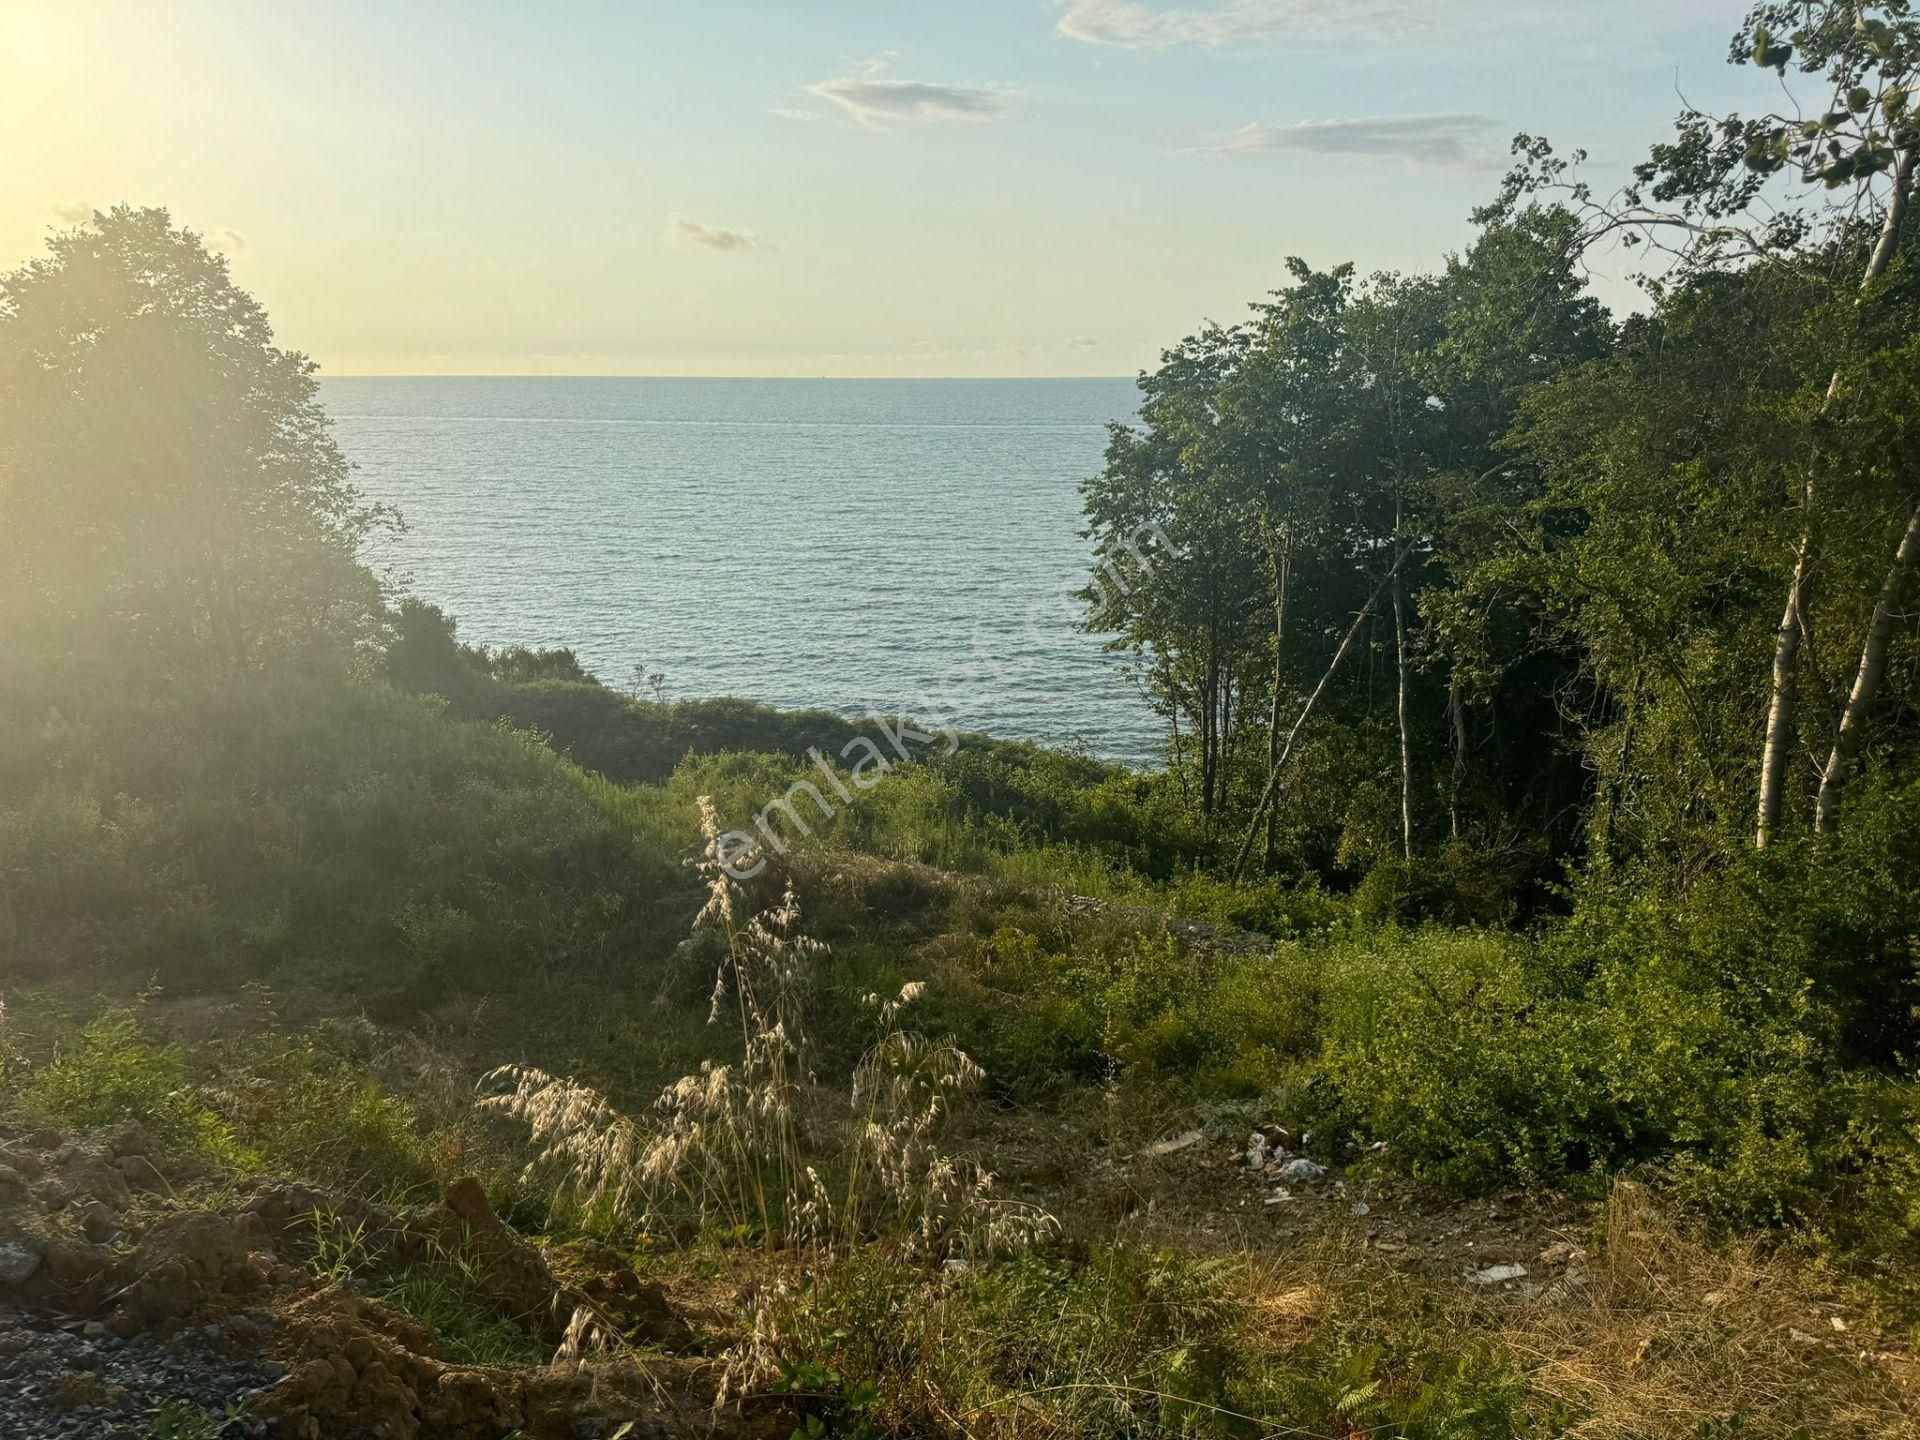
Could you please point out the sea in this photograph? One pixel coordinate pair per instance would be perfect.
(890, 546)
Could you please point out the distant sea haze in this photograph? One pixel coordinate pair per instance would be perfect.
(899, 545)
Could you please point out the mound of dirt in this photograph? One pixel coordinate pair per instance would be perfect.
(118, 1293)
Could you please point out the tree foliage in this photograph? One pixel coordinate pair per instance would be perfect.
(169, 488)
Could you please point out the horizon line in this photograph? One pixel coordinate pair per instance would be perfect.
(326, 374)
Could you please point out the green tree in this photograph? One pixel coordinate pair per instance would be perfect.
(1186, 624)
(1291, 407)
(1729, 192)
(169, 489)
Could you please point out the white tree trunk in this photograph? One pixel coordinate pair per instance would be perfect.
(1786, 648)
(1406, 747)
(1306, 711)
(1866, 680)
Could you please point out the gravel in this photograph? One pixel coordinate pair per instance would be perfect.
(70, 1380)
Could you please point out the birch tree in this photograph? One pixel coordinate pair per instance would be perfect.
(1730, 191)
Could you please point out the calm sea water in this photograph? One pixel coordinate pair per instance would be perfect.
(832, 543)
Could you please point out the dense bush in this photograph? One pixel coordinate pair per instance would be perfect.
(321, 831)
(1753, 1032)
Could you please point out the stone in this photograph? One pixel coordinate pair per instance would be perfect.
(1176, 1144)
(19, 1262)
(1497, 1274)
(98, 1222)
(127, 1138)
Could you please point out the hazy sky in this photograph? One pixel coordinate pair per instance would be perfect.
(847, 187)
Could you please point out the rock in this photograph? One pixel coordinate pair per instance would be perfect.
(139, 1172)
(78, 1263)
(48, 1195)
(61, 1386)
(1300, 1170)
(97, 1220)
(636, 1305)
(1178, 1143)
(1497, 1274)
(187, 1260)
(19, 1262)
(82, 1389)
(517, 1282)
(127, 1138)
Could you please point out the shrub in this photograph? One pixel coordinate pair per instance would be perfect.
(313, 831)
(318, 1115)
(112, 1071)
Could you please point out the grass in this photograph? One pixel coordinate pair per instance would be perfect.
(490, 902)
(445, 1294)
(1665, 1337)
(183, 1420)
(442, 1300)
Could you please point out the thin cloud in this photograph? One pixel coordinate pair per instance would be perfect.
(1131, 25)
(873, 99)
(65, 214)
(224, 240)
(685, 234)
(1421, 139)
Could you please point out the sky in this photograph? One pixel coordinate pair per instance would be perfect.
(815, 187)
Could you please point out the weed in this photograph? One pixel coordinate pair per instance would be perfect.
(183, 1420)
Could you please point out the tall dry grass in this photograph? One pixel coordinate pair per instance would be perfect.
(757, 1147)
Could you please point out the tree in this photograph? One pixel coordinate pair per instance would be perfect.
(1335, 453)
(168, 483)
(1728, 192)
(1666, 531)
(1290, 405)
(1187, 625)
